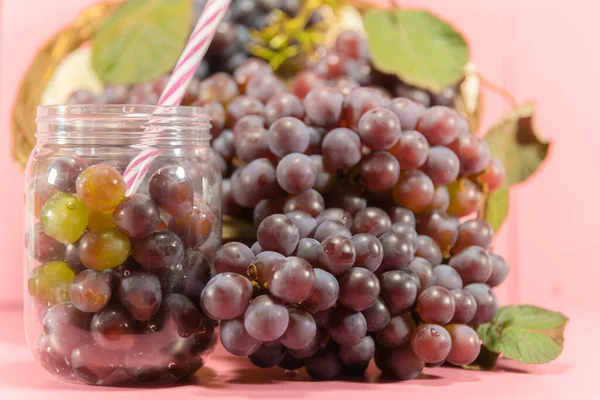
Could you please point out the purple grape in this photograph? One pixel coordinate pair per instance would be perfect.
(183, 318)
(216, 111)
(336, 254)
(325, 293)
(323, 106)
(230, 206)
(442, 165)
(474, 264)
(359, 289)
(226, 296)
(293, 280)
(262, 266)
(91, 363)
(439, 125)
(400, 215)
(264, 86)
(66, 328)
(266, 318)
(398, 290)
(113, 329)
(63, 172)
(44, 248)
(233, 257)
(487, 303)
(407, 231)
(325, 174)
(247, 123)
(473, 152)
(283, 105)
(499, 271)
(411, 150)
(347, 197)
(379, 171)
(296, 173)
(310, 201)
(371, 220)
(397, 332)
(324, 365)
(236, 339)
(474, 232)
(359, 354)
(369, 251)
(304, 221)
(431, 343)
(358, 102)
(137, 216)
(250, 68)
(195, 229)
(241, 106)
(352, 44)
(90, 291)
(414, 191)
(172, 189)
(267, 356)
(252, 144)
(308, 249)
(407, 111)
(159, 250)
(398, 251)
(465, 306)
(301, 330)
(441, 227)
(290, 363)
(347, 327)
(224, 145)
(422, 268)
(311, 349)
(447, 277)
(416, 94)
(255, 181)
(465, 344)
(267, 207)
(278, 233)
(140, 294)
(377, 316)
(341, 148)
(428, 249)
(436, 305)
(379, 129)
(288, 135)
(400, 363)
(256, 248)
(330, 228)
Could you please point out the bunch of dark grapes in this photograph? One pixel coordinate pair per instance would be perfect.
(367, 245)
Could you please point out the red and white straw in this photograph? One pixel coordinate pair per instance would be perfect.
(188, 63)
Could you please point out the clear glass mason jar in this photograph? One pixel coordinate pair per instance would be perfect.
(114, 278)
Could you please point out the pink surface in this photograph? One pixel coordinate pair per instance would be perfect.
(235, 378)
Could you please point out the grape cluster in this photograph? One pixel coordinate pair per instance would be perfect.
(118, 278)
(366, 245)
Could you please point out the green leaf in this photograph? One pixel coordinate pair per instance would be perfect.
(496, 207)
(514, 141)
(525, 333)
(417, 46)
(141, 40)
(485, 361)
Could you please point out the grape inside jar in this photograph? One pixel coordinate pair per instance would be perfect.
(114, 275)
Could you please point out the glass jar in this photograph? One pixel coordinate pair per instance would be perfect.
(114, 278)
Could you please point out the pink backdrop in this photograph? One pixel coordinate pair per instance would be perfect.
(550, 234)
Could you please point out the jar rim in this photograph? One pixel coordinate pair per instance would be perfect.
(121, 111)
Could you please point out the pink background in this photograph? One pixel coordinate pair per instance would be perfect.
(535, 49)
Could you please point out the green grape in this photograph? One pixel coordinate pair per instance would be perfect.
(101, 188)
(104, 249)
(64, 218)
(49, 284)
(98, 220)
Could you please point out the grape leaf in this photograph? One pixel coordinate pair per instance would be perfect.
(525, 333)
(141, 40)
(417, 46)
(514, 141)
(496, 207)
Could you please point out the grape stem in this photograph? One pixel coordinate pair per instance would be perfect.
(498, 90)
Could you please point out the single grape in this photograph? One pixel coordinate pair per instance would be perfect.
(359, 354)
(103, 249)
(377, 316)
(428, 249)
(226, 296)
(398, 251)
(304, 221)
(369, 251)
(330, 228)
(465, 197)
(252, 144)
(474, 232)
(255, 181)
(379, 129)
(335, 214)
(371, 220)
(499, 271)
(308, 249)
(408, 232)
(266, 318)
(248, 69)
(447, 277)
(230, 206)
(436, 305)
(100, 187)
(172, 190)
(233, 257)
(396, 332)
(72, 258)
(407, 111)
(442, 165)
(441, 227)
(90, 291)
(398, 290)
(413, 191)
(359, 289)
(288, 135)
(262, 266)
(307, 80)
(331, 65)
(413, 93)
(293, 280)
(267, 356)
(301, 330)
(256, 248)
(352, 44)
(216, 112)
(347, 327)
(494, 174)
(265, 86)
(411, 150)
(63, 172)
(343, 84)
(249, 122)
(473, 153)
(341, 148)
(347, 197)
(40, 191)
(64, 218)
(400, 363)
(400, 215)
(278, 233)
(52, 361)
(465, 344)
(379, 171)
(224, 145)
(241, 106)
(195, 228)
(326, 175)
(290, 363)
(424, 271)
(236, 339)
(431, 343)
(183, 318)
(309, 201)
(358, 102)
(65, 328)
(112, 329)
(93, 364)
(49, 283)
(466, 306)
(487, 303)
(324, 365)
(158, 250)
(446, 97)
(336, 254)
(42, 247)
(439, 125)
(140, 293)
(296, 173)
(474, 264)
(218, 87)
(283, 105)
(137, 216)
(441, 200)
(266, 207)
